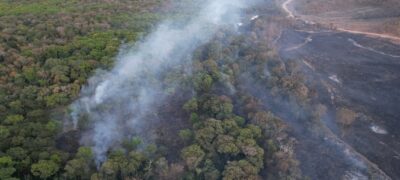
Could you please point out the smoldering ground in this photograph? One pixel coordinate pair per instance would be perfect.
(316, 135)
(335, 75)
(116, 103)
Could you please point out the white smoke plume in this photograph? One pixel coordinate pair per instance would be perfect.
(116, 102)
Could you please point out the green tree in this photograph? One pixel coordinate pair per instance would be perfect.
(16, 107)
(192, 155)
(17, 153)
(120, 166)
(76, 169)
(29, 74)
(14, 119)
(132, 143)
(212, 68)
(4, 133)
(206, 135)
(186, 134)
(44, 169)
(210, 171)
(85, 153)
(56, 99)
(219, 107)
(226, 145)
(80, 167)
(191, 105)
(6, 167)
(203, 82)
(238, 170)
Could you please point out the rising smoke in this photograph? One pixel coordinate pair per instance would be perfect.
(117, 101)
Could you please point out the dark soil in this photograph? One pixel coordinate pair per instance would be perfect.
(369, 84)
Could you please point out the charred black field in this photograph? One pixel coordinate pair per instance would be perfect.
(214, 89)
(356, 77)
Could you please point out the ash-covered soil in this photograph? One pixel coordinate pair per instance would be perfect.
(359, 73)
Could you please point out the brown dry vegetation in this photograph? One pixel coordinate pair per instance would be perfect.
(346, 117)
(376, 16)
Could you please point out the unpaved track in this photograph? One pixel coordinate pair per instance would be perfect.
(306, 41)
(383, 36)
(285, 7)
(291, 14)
(356, 44)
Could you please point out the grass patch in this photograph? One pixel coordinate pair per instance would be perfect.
(41, 7)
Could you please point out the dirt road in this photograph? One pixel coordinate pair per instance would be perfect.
(292, 14)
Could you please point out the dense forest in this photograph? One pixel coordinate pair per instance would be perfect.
(48, 50)
(213, 123)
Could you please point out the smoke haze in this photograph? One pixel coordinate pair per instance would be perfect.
(116, 101)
